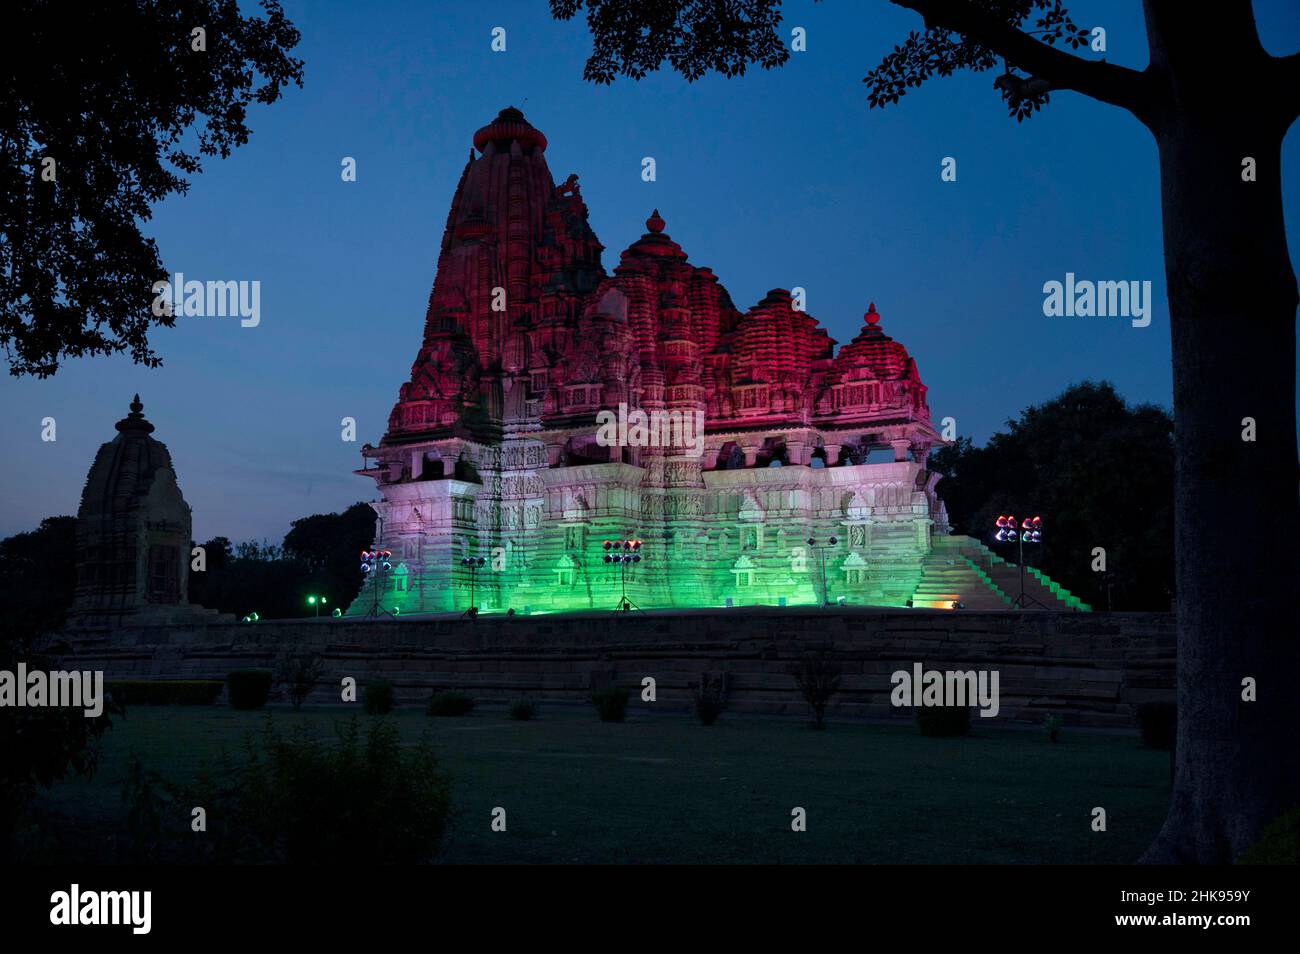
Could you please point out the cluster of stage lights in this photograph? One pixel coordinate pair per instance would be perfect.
(622, 551)
(1028, 531)
(373, 560)
(475, 562)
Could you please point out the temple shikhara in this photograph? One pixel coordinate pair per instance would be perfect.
(553, 406)
(133, 535)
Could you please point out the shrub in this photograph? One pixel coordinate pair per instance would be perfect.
(300, 800)
(298, 673)
(378, 697)
(818, 679)
(710, 700)
(942, 721)
(523, 710)
(166, 692)
(450, 704)
(610, 703)
(1158, 723)
(249, 688)
(1279, 844)
(1052, 727)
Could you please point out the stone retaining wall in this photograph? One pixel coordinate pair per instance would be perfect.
(1092, 668)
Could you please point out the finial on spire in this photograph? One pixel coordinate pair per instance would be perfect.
(135, 422)
(655, 223)
(872, 316)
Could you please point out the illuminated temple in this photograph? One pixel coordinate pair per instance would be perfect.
(501, 446)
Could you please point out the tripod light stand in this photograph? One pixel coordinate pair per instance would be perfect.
(624, 553)
(1030, 531)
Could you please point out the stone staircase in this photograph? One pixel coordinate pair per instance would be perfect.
(962, 570)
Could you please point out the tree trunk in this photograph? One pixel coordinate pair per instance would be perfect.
(1232, 302)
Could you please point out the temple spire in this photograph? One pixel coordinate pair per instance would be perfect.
(135, 420)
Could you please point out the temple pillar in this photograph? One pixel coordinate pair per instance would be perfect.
(751, 454)
(920, 454)
(417, 464)
(832, 454)
(901, 447)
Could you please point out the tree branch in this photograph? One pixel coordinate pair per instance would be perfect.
(1116, 85)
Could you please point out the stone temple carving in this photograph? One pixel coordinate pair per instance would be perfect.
(133, 535)
(553, 405)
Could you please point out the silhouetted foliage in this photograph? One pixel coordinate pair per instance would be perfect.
(45, 744)
(632, 38)
(298, 673)
(1099, 471)
(38, 576)
(165, 692)
(329, 545)
(610, 703)
(818, 679)
(448, 703)
(523, 710)
(319, 557)
(249, 688)
(295, 799)
(710, 699)
(125, 107)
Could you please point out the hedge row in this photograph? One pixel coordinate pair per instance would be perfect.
(166, 692)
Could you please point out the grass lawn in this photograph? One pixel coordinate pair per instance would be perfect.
(665, 789)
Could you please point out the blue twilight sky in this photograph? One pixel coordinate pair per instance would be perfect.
(776, 179)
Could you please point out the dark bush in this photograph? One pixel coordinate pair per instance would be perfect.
(378, 697)
(610, 703)
(818, 679)
(299, 800)
(1158, 723)
(249, 688)
(523, 710)
(298, 673)
(1052, 727)
(166, 692)
(710, 700)
(446, 703)
(1279, 844)
(942, 721)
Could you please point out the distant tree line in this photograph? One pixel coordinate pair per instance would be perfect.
(318, 556)
(1099, 471)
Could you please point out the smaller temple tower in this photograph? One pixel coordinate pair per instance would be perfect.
(133, 534)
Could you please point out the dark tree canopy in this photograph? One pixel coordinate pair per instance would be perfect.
(319, 557)
(125, 107)
(631, 38)
(1101, 474)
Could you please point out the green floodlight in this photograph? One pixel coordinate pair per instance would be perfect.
(311, 600)
(337, 612)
